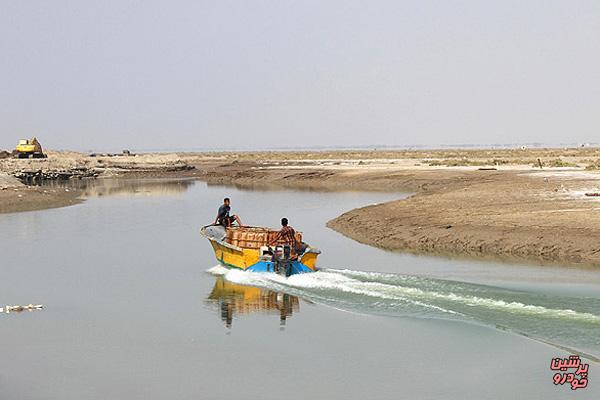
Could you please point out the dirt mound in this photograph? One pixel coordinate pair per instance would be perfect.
(8, 181)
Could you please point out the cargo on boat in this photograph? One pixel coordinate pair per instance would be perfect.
(248, 248)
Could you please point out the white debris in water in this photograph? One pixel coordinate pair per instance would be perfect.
(29, 307)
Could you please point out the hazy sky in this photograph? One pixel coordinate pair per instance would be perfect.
(255, 74)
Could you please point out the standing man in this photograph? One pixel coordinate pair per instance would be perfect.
(286, 235)
(223, 217)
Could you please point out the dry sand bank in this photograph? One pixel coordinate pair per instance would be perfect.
(16, 197)
(508, 215)
(33, 198)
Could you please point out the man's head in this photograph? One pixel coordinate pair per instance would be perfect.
(226, 201)
(284, 221)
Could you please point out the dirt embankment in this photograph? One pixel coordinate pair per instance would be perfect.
(317, 177)
(27, 195)
(15, 196)
(30, 198)
(66, 165)
(505, 215)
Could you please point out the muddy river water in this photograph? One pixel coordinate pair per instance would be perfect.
(135, 308)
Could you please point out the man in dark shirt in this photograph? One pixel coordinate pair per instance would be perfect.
(286, 235)
(223, 217)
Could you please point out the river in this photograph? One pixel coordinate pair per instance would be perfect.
(136, 309)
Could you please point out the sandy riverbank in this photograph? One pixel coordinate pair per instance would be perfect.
(510, 215)
(35, 198)
(16, 197)
(485, 203)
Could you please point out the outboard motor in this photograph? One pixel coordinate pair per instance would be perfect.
(283, 260)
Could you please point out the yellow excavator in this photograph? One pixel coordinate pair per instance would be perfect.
(29, 148)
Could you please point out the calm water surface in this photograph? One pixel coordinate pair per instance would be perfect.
(132, 313)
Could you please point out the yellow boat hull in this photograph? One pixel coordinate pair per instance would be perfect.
(246, 258)
(250, 258)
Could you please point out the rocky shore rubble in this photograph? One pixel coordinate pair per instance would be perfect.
(75, 166)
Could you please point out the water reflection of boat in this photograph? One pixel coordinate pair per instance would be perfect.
(235, 299)
(247, 248)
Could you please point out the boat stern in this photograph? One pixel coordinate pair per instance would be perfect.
(256, 259)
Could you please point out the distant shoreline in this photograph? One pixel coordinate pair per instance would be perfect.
(362, 148)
